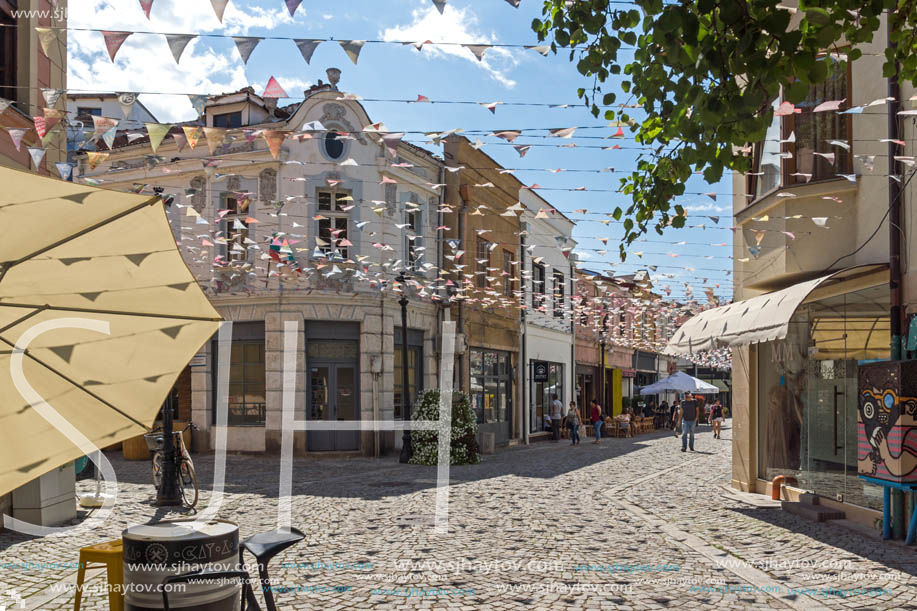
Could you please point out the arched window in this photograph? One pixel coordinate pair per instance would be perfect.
(197, 199)
(267, 185)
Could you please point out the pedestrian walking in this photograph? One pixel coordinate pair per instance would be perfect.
(557, 416)
(595, 416)
(573, 420)
(717, 413)
(676, 414)
(689, 415)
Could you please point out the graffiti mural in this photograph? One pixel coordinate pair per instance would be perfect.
(887, 421)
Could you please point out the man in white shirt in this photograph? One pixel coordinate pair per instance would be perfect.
(557, 415)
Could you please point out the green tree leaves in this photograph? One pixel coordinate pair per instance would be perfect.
(705, 73)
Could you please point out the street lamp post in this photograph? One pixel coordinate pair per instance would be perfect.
(406, 450)
(604, 323)
(168, 494)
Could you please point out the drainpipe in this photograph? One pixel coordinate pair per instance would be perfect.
(894, 249)
(524, 325)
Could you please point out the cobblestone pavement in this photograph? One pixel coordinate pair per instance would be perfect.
(626, 524)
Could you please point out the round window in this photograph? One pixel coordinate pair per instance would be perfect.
(334, 146)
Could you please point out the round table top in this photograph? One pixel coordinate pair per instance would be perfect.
(178, 530)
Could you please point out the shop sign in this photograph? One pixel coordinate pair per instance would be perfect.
(540, 372)
(198, 360)
(629, 373)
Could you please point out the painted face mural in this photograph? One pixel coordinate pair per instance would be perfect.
(887, 421)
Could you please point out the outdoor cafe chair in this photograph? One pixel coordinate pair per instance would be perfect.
(265, 546)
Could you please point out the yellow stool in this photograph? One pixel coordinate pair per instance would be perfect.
(109, 554)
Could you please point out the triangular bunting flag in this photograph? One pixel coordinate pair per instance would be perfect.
(198, 102)
(180, 140)
(391, 142)
(192, 134)
(478, 50)
(515, 3)
(274, 139)
(113, 41)
(46, 36)
(102, 125)
(307, 47)
(273, 90)
(109, 137)
(37, 155)
(95, 158)
(51, 96)
(126, 100)
(146, 5)
(440, 5)
(543, 49)
(156, 132)
(177, 44)
(64, 169)
(352, 48)
(245, 45)
(292, 5)
(214, 136)
(219, 7)
(16, 134)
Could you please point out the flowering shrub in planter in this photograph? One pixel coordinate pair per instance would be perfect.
(463, 446)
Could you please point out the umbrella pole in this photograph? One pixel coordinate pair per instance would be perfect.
(169, 493)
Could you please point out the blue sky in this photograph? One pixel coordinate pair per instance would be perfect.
(213, 65)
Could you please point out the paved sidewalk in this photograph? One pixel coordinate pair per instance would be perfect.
(626, 524)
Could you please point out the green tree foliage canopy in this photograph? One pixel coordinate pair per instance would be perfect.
(705, 73)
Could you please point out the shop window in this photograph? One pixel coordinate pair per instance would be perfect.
(558, 295)
(542, 396)
(482, 262)
(333, 229)
(247, 384)
(538, 286)
(508, 273)
(228, 119)
(491, 385)
(8, 47)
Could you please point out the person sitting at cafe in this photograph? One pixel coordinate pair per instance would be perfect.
(625, 422)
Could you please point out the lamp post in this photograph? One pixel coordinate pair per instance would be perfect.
(168, 494)
(406, 450)
(604, 324)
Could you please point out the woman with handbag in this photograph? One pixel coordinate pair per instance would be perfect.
(572, 421)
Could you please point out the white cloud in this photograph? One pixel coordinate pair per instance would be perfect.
(144, 62)
(455, 25)
(706, 208)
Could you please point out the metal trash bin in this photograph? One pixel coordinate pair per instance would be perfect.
(153, 552)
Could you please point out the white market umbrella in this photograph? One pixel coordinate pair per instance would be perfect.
(71, 253)
(680, 382)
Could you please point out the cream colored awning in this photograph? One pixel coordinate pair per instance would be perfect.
(763, 318)
(72, 253)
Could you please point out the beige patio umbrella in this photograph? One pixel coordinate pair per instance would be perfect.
(71, 251)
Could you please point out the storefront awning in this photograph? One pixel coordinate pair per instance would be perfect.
(721, 385)
(763, 318)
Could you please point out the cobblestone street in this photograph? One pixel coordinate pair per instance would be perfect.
(627, 524)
